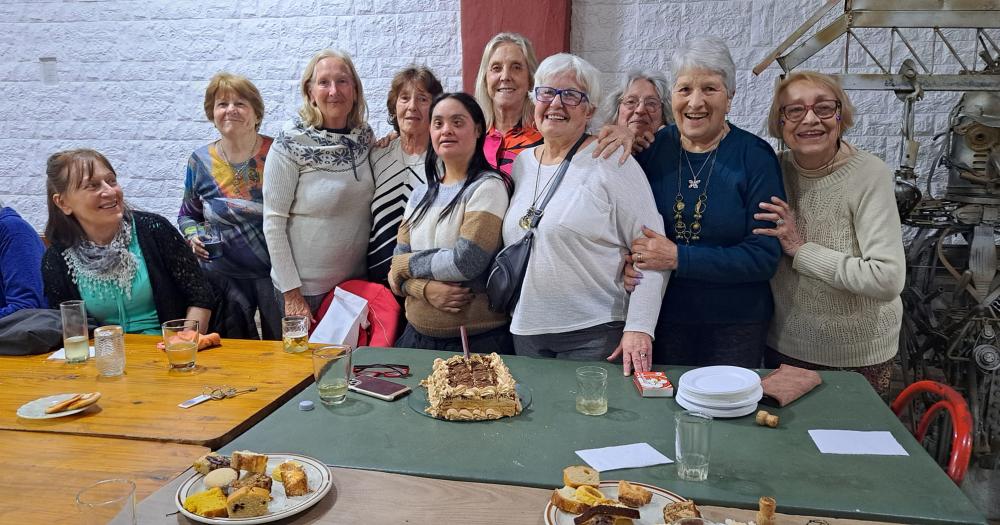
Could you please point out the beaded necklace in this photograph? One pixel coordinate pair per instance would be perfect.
(683, 230)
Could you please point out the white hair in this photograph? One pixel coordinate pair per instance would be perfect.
(660, 84)
(707, 52)
(586, 75)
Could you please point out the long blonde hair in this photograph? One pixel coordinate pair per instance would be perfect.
(483, 94)
(310, 114)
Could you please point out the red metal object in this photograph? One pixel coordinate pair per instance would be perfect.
(961, 422)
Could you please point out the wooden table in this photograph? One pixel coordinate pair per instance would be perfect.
(142, 403)
(363, 496)
(41, 474)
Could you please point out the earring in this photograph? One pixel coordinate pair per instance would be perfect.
(838, 118)
(781, 122)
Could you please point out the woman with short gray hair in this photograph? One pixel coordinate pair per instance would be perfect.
(640, 105)
(572, 302)
(709, 176)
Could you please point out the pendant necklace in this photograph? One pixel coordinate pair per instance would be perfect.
(692, 232)
(532, 211)
(240, 170)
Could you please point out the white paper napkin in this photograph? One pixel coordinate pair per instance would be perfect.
(877, 443)
(61, 354)
(623, 456)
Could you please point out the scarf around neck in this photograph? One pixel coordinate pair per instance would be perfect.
(312, 147)
(108, 269)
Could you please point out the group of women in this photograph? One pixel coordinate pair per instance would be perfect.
(698, 245)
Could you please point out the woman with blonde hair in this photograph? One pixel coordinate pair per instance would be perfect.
(223, 187)
(318, 187)
(837, 304)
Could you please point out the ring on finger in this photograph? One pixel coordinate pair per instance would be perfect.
(779, 222)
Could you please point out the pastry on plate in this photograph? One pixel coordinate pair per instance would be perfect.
(220, 477)
(680, 509)
(210, 503)
(248, 502)
(210, 462)
(633, 495)
(253, 479)
(249, 461)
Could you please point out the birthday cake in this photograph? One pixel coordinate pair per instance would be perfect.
(473, 389)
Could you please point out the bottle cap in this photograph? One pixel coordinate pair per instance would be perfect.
(306, 405)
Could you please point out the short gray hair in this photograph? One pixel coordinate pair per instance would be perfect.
(660, 84)
(586, 75)
(706, 52)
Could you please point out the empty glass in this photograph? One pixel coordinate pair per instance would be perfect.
(109, 501)
(591, 390)
(693, 431)
(109, 350)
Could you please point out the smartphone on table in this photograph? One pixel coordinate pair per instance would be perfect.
(378, 388)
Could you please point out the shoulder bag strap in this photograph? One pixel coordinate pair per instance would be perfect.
(563, 166)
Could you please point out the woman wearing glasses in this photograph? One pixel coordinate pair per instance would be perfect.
(572, 303)
(639, 106)
(708, 176)
(837, 289)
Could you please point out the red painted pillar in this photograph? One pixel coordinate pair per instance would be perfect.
(545, 22)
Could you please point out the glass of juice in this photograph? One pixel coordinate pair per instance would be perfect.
(180, 340)
(295, 333)
(74, 325)
(332, 369)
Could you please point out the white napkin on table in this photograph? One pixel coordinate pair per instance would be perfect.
(877, 443)
(623, 456)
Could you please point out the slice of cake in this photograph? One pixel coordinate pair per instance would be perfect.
(295, 482)
(210, 503)
(248, 502)
(249, 461)
(254, 479)
(210, 462)
(475, 389)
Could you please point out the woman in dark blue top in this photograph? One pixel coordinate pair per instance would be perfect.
(708, 178)
(20, 264)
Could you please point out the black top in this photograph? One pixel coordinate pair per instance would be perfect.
(174, 273)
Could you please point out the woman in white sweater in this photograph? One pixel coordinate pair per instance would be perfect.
(836, 292)
(573, 304)
(318, 187)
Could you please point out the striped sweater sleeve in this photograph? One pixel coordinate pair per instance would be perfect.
(479, 240)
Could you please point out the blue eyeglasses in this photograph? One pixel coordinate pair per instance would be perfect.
(569, 97)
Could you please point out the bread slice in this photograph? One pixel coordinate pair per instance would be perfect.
(633, 495)
(565, 500)
(605, 514)
(577, 475)
(249, 461)
(680, 509)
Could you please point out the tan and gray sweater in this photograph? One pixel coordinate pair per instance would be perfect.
(836, 303)
(457, 248)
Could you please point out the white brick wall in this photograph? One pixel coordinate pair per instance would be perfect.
(132, 73)
(132, 76)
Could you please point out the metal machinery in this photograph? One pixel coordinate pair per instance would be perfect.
(951, 325)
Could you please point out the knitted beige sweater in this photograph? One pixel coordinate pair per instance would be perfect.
(837, 302)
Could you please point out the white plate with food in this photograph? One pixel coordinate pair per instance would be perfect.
(36, 409)
(649, 514)
(281, 506)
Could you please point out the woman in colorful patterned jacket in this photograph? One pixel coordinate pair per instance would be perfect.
(224, 188)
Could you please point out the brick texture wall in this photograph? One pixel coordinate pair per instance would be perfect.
(131, 74)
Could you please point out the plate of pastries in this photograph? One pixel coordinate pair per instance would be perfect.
(587, 500)
(247, 487)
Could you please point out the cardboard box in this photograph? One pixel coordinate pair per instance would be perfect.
(653, 384)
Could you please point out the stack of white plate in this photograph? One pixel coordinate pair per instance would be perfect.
(720, 391)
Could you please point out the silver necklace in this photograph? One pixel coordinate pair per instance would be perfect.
(533, 211)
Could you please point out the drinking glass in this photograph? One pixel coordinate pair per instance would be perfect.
(692, 438)
(180, 340)
(332, 368)
(109, 350)
(591, 390)
(74, 325)
(108, 501)
(295, 333)
(211, 239)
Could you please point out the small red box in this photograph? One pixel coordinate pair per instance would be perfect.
(653, 384)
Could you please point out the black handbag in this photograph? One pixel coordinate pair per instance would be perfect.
(503, 285)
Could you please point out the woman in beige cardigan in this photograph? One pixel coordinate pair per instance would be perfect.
(836, 292)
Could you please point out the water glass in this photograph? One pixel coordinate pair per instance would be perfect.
(180, 340)
(295, 333)
(332, 369)
(693, 431)
(108, 501)
(591, 390)
(109, 350)
(74, 325)
(211, 239)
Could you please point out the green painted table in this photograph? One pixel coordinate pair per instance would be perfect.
(748, 461)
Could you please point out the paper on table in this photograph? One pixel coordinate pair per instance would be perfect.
(623, 456)
(61, 354)
(878, 442)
